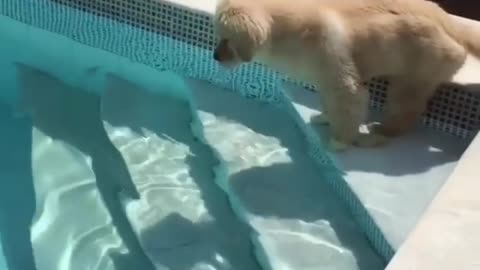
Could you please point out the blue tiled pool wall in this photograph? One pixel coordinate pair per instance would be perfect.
(188, 51)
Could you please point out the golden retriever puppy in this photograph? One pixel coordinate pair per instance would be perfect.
(337, 45)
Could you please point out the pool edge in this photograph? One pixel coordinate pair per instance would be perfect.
(446, 237)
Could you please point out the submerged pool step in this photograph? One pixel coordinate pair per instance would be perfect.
(294, 220)
(397, 182)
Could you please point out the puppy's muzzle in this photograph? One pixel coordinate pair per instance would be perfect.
(216, 55)
(222, 52)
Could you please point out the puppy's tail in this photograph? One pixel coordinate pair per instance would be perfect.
(466, 35)
(470, 38)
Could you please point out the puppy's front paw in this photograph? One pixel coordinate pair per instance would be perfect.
(337, 145)
(319, 119)
(387, 130)
(371, 140)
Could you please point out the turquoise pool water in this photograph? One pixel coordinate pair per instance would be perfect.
(110, 164)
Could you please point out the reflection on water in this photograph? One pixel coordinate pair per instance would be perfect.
(72, 142)
(186, 220)
(182, 218)
(77, 153)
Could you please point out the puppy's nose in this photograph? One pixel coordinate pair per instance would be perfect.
(216, 55)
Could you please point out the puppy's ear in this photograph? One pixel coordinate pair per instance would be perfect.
(246, 30)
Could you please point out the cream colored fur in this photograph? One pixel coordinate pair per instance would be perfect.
(337, 45)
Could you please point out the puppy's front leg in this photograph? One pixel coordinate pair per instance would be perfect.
(347, 107)
(407, 100)
(321, 119)
(346, 100)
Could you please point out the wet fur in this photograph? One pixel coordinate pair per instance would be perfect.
(337, 45)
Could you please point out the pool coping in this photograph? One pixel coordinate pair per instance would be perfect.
(438, 241)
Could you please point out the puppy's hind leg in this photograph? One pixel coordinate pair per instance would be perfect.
(406, 102)
(409, 93)
(322, 118)
(346, 99)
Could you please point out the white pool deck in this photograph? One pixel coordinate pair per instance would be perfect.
(422, 190)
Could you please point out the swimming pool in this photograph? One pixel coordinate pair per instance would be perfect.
(191, 150)
(212, 179)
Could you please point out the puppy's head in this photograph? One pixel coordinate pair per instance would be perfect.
(242, 31)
